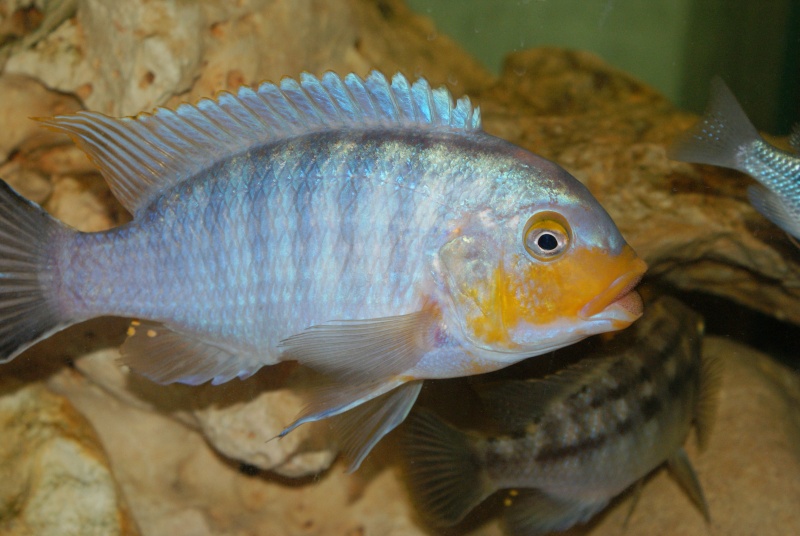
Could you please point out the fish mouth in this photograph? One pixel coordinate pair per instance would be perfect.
(619, 303)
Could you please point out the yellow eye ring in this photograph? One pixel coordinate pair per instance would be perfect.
(547, 236)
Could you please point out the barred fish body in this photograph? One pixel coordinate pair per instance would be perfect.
(725, 137)
(578, 438)
(367, 229)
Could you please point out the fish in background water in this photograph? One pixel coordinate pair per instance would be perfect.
(366, 228)
(574, 440)
(725, 137)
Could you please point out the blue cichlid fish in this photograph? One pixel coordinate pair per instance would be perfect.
(574, 440)
(367, 229)
(726, 137)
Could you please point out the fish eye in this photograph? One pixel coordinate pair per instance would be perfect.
(546, 236)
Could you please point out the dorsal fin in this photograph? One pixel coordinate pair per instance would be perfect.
(141, 156)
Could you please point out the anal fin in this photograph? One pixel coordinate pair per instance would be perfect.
(530, 512)
(167, 356)
(682, 471)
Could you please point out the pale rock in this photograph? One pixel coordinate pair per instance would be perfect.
(177, 485)
(24, 98)
(241, 419)
(692, 224)
(74, 203)
(750, 472)
(119, 57)
(56, 478)
(27, 182)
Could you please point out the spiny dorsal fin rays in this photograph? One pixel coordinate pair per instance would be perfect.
(142, 156)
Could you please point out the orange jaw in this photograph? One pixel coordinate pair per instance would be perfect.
(584, 283)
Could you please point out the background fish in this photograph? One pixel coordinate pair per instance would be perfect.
(726, 137)
(574, 440)
(367, 229)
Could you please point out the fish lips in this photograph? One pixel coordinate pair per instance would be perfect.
(619, 303)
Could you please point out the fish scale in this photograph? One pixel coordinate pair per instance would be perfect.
(365, 228)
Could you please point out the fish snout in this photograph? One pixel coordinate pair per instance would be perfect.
(619, 303)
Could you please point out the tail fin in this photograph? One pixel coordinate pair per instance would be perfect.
(27, 234)
(719, 134)
(445, 475)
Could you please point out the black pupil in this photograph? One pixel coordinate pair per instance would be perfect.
(547, 242)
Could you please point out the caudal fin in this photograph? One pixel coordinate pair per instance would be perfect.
(719, 134)
(446, 477)
(27, 235)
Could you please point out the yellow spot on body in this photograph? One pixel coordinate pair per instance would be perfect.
(131, 331)
(136, 323)
(151, 333)
(507, 501)
(513, 493)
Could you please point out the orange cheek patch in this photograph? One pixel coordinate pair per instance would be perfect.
(544, 292)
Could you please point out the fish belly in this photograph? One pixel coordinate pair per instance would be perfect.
(266, 244)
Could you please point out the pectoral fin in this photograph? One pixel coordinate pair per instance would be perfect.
(167, 356)
(363, 351)
(530, 512)
(682, 471)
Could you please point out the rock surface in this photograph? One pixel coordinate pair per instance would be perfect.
(56, 477)
(692, 224)
(750, 472)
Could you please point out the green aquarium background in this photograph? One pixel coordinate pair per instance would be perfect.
(674, 45)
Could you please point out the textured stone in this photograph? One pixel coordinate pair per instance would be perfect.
(240, 418)
(126, 57)
(691, 223)
(750, 471)
(177, 485)
(24, 98)
(56, 478)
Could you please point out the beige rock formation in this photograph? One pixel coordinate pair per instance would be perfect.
(56, 477)
(691, 223)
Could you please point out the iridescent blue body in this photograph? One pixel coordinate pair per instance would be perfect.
(370, 231)
(725, 137)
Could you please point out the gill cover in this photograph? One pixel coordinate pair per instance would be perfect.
(473, 268)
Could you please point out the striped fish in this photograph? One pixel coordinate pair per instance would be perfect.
(366, 228)
(576, 439)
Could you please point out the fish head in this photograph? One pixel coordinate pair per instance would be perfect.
(550, 273)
